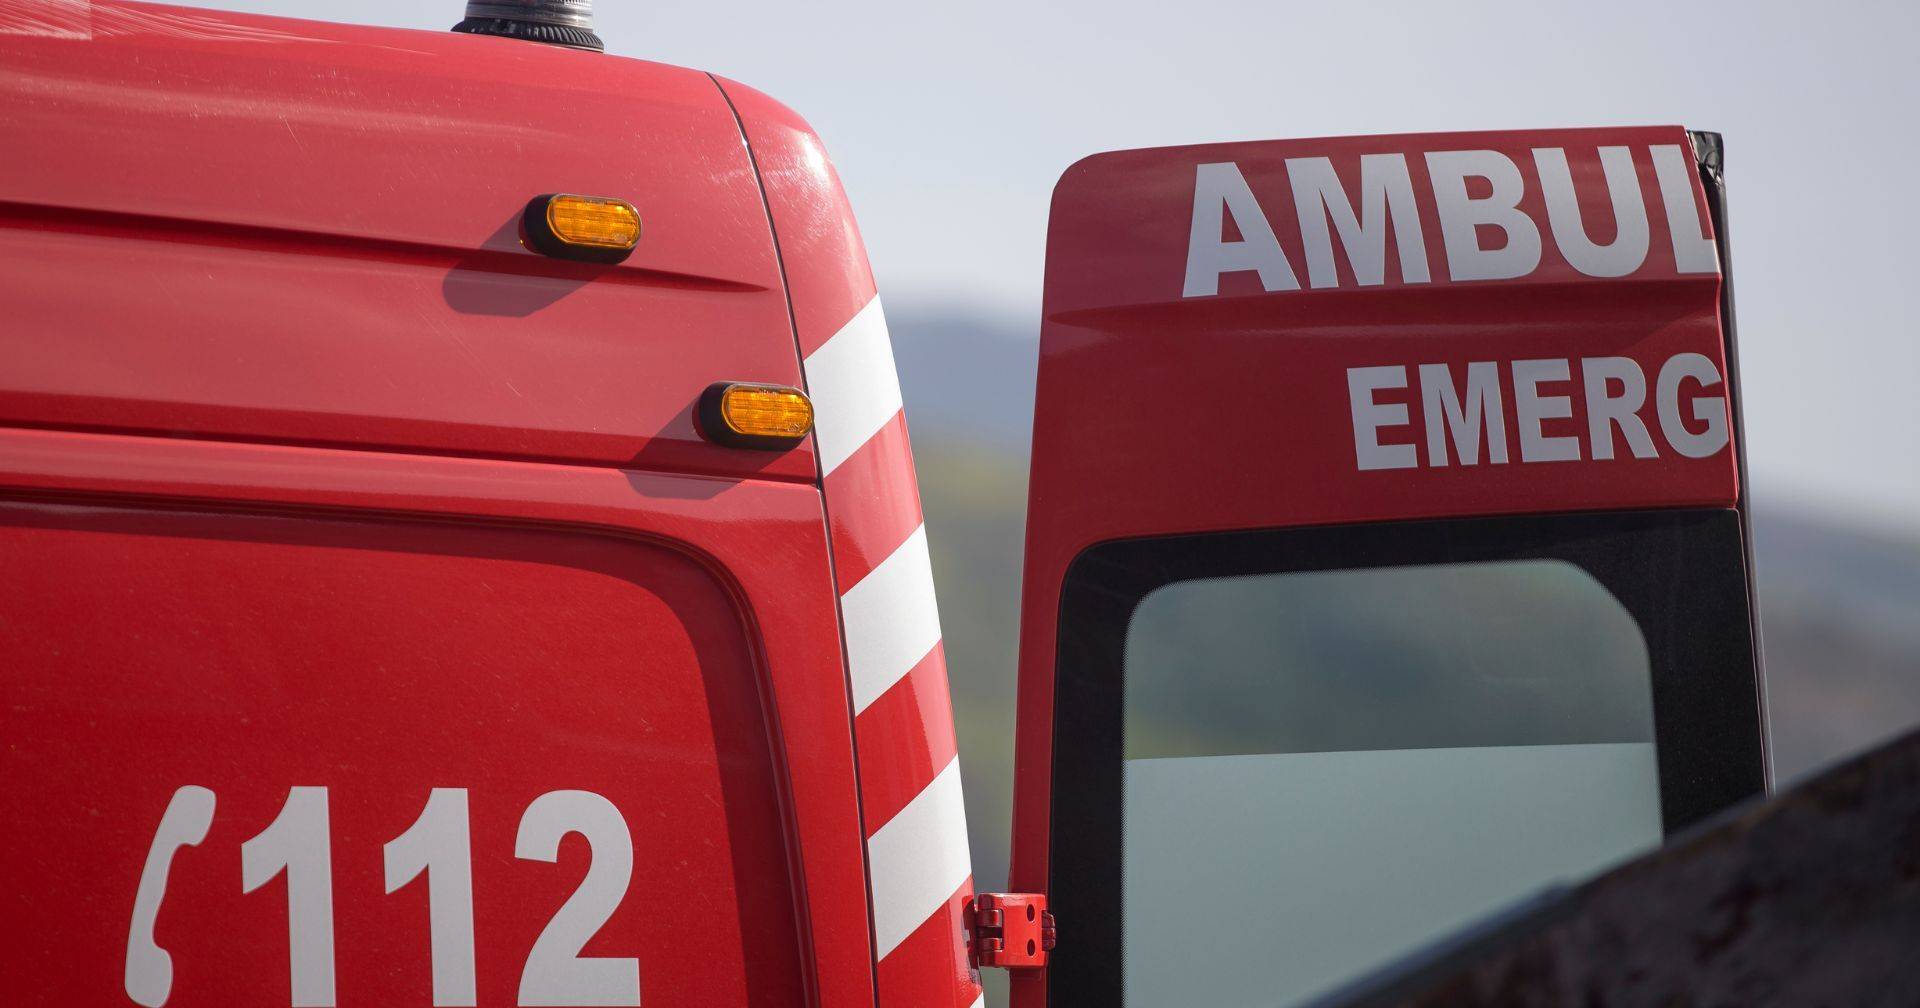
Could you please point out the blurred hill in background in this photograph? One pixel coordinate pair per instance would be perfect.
(1840, 605)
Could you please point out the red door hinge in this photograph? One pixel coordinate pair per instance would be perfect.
(1010, 930)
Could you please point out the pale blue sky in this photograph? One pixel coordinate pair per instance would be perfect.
(950, 121)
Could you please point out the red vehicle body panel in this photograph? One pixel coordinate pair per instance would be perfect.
(290, 414)
(920, 871)
(597, 652)
(294, 232)
(791, 619)
(1164, 409)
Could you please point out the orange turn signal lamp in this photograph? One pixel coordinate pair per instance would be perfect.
(587, 228)
(767, 417)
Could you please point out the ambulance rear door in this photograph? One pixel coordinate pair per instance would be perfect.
(1387, 557)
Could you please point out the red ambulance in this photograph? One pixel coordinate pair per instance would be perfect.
(459, 543)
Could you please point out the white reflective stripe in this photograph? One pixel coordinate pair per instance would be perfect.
(981, 1001)
(67, 19)
(891, 620)
(852, 383)
(918, 860)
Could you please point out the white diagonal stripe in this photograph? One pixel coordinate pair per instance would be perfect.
(981, 1001)
(918, 860)
(891, 621)
(854, 389)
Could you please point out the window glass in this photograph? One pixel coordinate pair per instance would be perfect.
(1286, 759)
(1326, 769)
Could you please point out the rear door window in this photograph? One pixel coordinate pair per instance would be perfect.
(1299, 754)
(1288, 734)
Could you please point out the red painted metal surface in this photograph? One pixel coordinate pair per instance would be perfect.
(587, 543)
(273, 230)
(379, 659)
(904, 732)
(1173, 399)
(369, 461)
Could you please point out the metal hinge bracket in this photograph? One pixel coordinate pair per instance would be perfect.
(1010, 930)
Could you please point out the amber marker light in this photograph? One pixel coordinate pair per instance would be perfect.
(588, 228)
(767, 417)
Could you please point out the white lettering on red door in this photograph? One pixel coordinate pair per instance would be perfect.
(1371, 416)
(439, 844)
(298, 844)
(1628, 249)
(1466, 421)
(1220, 197)
(1386, 194)
(1462, 215)
(1608, 412)
(1453, 425)
(556, 973)
(1533, 407)
(149, 968)
(1486, 233)
(1709, 412)
(1693, 251)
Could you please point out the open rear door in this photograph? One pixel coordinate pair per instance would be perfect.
(1386, 561)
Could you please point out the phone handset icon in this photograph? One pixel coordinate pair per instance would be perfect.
(149, 968)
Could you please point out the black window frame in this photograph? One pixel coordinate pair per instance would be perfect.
(1682, 574)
